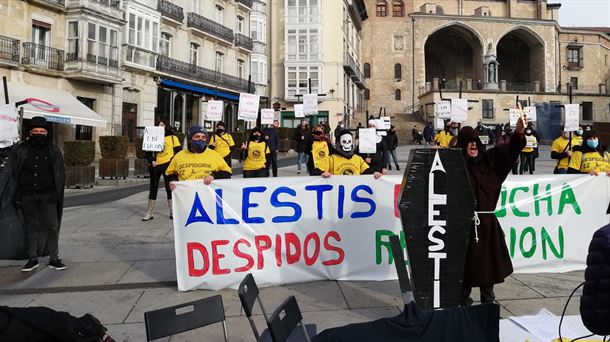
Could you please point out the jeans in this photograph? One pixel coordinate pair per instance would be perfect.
(40, 217)
(392, 156)
(487, 295)
(301, 159)
(273, 163)
(155, 175)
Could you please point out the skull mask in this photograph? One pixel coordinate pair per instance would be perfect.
(347, 145)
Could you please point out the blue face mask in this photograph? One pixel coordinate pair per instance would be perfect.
(579, 132)
(198, 145)
(593, 143)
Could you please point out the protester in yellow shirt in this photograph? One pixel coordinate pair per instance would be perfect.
(589, 158)
(158, 163)
(318, 150)
(256, 155)
(561, 150)
(443, 139)
(345, 162)
(222, 142)
(198, 161)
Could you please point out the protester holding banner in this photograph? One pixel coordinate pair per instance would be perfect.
(197, 161)
(158, 163)
(222, 142)
(378, 160)
(590, 157)
(345, 162)
(318, 150)
(526, 157)
(487, 259)
(301, 135)
(255, 154)
(561, 150)
(272, 137)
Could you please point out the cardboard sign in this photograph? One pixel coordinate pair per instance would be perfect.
(215, 109)
(442, 109)
(572, 112)
(298, 111)
(459, 110)
(367, 140)
(437, 208)
(248, 107)
(9, 125)
(530, 141)
(513, 116)
(310, 104)
(267, 116)
(154, 139)
(530, 114)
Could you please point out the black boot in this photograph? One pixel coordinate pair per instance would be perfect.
(397, 167)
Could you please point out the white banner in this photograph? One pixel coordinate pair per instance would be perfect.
(310, 104)
(248, 107)
(459, 110)
(9, 122)
(267, 116)
(215, 109)
(154, 139)
(298, 111)
(339, 228)
(442, 109)
(572, 112)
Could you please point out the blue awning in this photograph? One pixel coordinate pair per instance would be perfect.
(200, 90)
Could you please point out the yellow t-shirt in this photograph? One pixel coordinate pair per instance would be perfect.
(166, 155)
(320, 154)
(530, 144)
(224, 142)
(443, 139)
(590, 161)
(256, 158)
(188, 165)
(559, 146)
(576, 140)
(339, 165)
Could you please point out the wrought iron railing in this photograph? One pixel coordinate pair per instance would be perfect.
(209, 26)
(200, 74)
(170, 10)
(244, 41)
(353, 70)
(247, 3)
(9, 49)
(43, 56)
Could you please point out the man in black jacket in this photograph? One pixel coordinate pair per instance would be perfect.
(272, 138)
(301, 135)
(392, 143)
(38, 169)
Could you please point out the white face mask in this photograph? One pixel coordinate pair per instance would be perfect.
(347, 143)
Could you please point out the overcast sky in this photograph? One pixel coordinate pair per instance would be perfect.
(584, 12)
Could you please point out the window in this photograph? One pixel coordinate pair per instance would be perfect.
(398, 42)
(114, 49)
(303, 44)
(259, 70)
(240, 24)
(398, 8)
(258, 28)
(165, 44)
(72, 54)
(102, 45)
(143, 31)
(219, 14)
(575, 57)
(397, 72)
(91, 37)
(367, 94)
(220, 60)
(367, 70)
(194, 54)
(240, 68)
(297, 79)
(382, 9)
(397, 94)
(132, 29)
(84, 132)
(488, 109)
(574, 82)
(587, 111)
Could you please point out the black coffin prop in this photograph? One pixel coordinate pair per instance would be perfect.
(439, 240)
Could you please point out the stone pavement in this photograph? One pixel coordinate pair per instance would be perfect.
(119, 267)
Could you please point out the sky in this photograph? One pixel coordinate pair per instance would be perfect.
(584, 12)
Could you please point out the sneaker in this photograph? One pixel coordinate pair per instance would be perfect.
(299, 172)
(57, 265)
(31, 265)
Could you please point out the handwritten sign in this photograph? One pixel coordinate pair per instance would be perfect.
(154, 139)
(214, 112)
(530, 113)
(9, 121)
(248, 107)
(267, 116)
(530, 141)
(442, 109)
(513, 117)
(572, 112)
(298, 111)
(367, 140)
(310, 104)
(439, 123)
(459, 110)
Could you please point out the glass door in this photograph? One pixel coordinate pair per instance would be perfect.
(40, 51)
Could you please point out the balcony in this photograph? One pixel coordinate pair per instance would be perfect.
(353, 70)
(247, 3)
(244, 41)
(199, 74)
(9, 51)
(209, 27)
(43, 57)
(92, 68)
(52, 4)
(170, 10)
(139, 57)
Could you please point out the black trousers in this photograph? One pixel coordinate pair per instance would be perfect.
(40, 219)
(155, 175)
(527, 163)
(273, 163)
(264, 172)
(227, 159)
(487, 295)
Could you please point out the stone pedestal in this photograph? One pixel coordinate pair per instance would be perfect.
(469, 84)
(503, 85)
(435, 84)
(536, 86)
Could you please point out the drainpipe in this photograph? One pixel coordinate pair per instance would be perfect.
(113, 109)
(413, 65)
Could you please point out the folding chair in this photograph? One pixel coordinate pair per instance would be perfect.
(184, 317)
(285, 319)
(406, 288)
(248, 295)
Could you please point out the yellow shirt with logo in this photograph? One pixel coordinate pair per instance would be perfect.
(590, 161)
(166, 155)
(320, 154)
(189, 166)
(223, 143)
(559, 146)
(257, 156)
(531, 143)
(443, 139)
(339, 165)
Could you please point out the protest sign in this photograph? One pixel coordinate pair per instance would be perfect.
(459, 110)
(215, 109)
(267, 116)
(572, 114)
(9, 122)
(442, 109)
(439, 123)
(367, 140)
(530, 141)
(310, 104)
(513, 116)
(154, 139)
(530, 113)
(248, 107)
(298, 111)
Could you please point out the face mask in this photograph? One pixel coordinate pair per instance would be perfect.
(255, 137)
(529, 131)
(593, 143)
(220, 130)
(317, 133)
(198, 146)
(579, 132)
(38, 139)
(588, 129)
(454, 131)
(341, 125)
(168, 130)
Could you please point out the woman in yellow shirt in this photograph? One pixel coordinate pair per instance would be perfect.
(318, 149)
(589, 157)
(222, 142)
(255, 154)
(158, 163)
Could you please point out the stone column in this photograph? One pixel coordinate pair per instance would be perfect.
(602, 88)
(428, 86)
(435, 84)
(469, 84)
(536, 86)
(503, 85)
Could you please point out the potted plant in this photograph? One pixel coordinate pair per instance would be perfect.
(78, 156)
(114, 162)
(140, 166)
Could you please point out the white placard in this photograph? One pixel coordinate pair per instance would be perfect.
(572, 111)
(459, 110)
(215, 109)
(310, 104)
(248, 107)
(298, 111)
(154, 139)
(442, 109)
(484, 139)
(9, 125)
(530, 141)
(513, 116)
(439, 123)
(267, 116)
(530, 113)
(367, 140)
(387, 122)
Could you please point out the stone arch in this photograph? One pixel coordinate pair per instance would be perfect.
(520, 54)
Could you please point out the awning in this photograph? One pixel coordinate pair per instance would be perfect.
(55, 105)
(200, 90)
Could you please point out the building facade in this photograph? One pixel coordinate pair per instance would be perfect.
(259, 61)
(314, 52)
(494, 51)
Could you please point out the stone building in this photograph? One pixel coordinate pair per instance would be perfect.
(495, 51)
